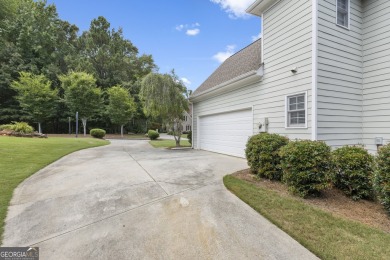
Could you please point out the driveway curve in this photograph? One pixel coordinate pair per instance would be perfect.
(128, 200)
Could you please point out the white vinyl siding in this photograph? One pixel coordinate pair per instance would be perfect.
(287, 29)
(340, 78)
(376, 61)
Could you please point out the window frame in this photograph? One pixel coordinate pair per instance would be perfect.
(287, 111)
(348, 14)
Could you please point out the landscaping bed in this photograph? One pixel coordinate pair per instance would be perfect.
(331, 200)
(331, 226)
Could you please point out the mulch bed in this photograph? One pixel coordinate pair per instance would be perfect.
(331, 200)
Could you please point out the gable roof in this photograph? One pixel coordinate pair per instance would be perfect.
(242, 62)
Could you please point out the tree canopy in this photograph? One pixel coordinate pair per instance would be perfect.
(35, 96)
(34, 39)
(82, 95)
(163, 96)
(121, 107)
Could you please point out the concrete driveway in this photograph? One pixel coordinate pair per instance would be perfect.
(128, 200)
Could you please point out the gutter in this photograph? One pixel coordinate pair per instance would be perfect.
(237, 82)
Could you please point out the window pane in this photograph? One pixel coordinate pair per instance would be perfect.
(301, 106)
(293, 107)
(342, 12)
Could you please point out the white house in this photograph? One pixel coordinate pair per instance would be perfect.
(321, 71)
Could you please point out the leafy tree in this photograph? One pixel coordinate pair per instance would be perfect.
(111, 58)
(121, 106)
(35, 96)
(164, 96)
(82, 95)
(32, 39)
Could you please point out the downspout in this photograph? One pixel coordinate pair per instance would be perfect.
(192, 125)
(314, 60)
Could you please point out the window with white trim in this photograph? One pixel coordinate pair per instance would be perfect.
(296, 110)
(342, 7)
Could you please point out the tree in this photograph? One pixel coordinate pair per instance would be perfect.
(163, 96)
(121, 106)
(113, 59)
(82, 95)
(32, 39)
(35, 96)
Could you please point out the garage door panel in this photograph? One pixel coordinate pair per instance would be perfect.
(226, 133)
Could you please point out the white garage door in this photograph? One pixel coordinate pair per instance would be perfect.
(226, 133)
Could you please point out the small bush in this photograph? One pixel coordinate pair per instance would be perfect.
(262, 153)
(306, 166)
(6, 127)
(189, 137)
(97, 133)
(153, 135)
(382, 176)
(353, 171)
(21, 127)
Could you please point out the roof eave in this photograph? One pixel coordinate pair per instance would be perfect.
(242, 80)
(258, 7)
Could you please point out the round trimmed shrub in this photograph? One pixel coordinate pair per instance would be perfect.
(189, 137)
(382, 176)
(262, 153)
(97, 133)
(306, 166)
(353, 171)
(153, 135)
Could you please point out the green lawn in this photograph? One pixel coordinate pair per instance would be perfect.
(163, 143)
(327, 236)
(22, 157)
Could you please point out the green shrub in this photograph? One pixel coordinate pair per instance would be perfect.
(18, 127)
(153, 135)
(382, 176)
(262, 153)
(189, 137)
(353, 171)
(97, 133)
(6, 127)
(306, 166)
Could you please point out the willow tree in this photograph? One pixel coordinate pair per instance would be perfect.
(121, 106)
(35, 96)
(82, 95)
(163, 97)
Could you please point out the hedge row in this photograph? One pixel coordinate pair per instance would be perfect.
(307, 167)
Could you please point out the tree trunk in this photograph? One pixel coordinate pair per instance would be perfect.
(84, 120)
(177, 127)
(39, 128)
(122, 131)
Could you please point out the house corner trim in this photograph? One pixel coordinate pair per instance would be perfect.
(314, 94)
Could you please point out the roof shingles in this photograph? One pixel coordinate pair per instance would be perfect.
(244, 61)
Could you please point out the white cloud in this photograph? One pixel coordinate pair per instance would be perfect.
(193, 32)
(186, 81)
(223, 55)
(256, 37)
(235, 8)
(179, 27)
(190, 29)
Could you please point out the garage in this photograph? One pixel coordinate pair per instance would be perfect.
(226, 133)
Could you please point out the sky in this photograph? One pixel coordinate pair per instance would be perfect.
(193, 37)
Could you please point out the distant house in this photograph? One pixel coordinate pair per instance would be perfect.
(187, 120)
(321, 71)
